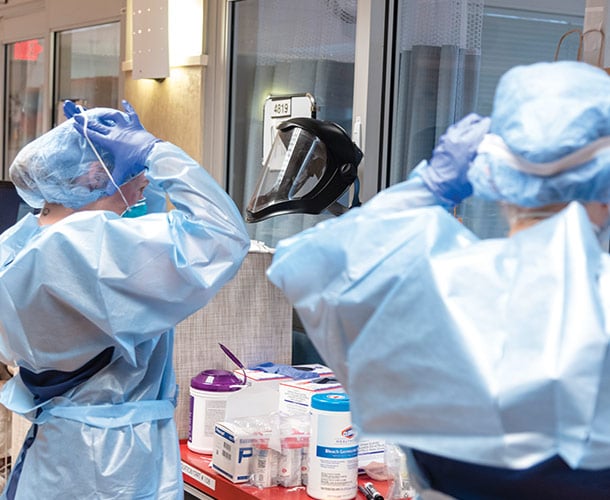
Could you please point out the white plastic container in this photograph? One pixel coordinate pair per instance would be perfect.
(209, 393)
(333, 449)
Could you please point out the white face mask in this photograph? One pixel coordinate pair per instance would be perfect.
(495, 145)
(603, 236)
(603, 233)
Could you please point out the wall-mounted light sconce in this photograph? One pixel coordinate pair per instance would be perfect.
(150, 39)
(163, 34)
(185, 32)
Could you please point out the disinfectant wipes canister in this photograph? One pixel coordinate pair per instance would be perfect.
(333, 449)
(209, 392)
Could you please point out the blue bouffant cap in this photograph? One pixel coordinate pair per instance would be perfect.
(544, 113)
(61, 167)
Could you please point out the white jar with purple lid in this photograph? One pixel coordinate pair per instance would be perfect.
(209, 392)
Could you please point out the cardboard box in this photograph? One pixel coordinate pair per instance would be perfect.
(233, 451)
(369, 451)
(254, 400)
(295, 398)
(318, 369)
(262, 394)
(259, 376)
(295, 395)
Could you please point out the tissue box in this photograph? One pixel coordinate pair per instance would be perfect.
(370, 450)
(318, 369)
(295, 395)
(295, 398)
(233, 450)
(262, 394)
(259, 376)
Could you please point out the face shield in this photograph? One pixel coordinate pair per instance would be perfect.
(311, 163)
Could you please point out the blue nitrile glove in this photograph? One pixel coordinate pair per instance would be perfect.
(122, 135)
(287, 370)
(71, 109)
(446, 172)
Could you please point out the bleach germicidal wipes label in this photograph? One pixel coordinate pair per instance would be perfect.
(333, 449)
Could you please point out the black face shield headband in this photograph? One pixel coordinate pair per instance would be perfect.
(310, 165)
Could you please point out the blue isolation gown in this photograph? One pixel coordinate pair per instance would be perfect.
(493, 352)
(96, 284)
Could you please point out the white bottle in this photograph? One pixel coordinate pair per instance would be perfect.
(333, 449)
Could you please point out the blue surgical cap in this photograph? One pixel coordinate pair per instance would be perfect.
(61, 167)
(544, 112)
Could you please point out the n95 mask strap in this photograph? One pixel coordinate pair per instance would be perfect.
(494, 145)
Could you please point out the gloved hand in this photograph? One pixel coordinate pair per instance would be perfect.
(122, 135)
(289, 371)
(446, 172)
(71, 109)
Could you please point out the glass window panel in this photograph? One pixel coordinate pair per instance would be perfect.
(285, 47)
(450, 58)
(509, 38)
(24, 95)
(87, 65)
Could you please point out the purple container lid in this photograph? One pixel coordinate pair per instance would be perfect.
(217, 381)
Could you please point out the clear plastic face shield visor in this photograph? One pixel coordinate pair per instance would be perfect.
(309, 166)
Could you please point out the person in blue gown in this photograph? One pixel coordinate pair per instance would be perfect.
(488, 361)
(90, 295)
